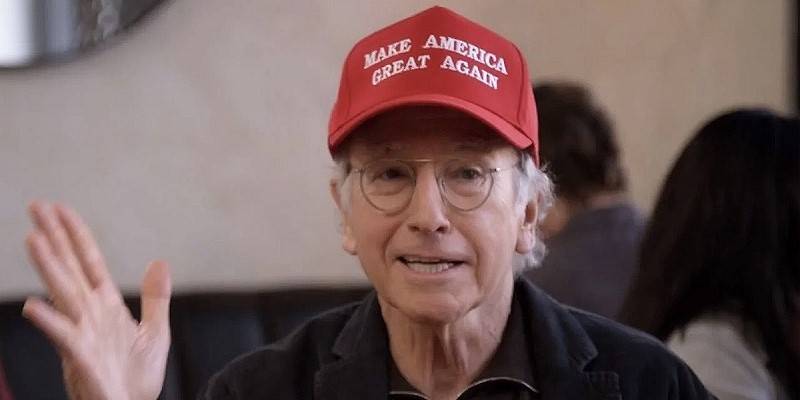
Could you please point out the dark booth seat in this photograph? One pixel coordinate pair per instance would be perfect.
(208, 330)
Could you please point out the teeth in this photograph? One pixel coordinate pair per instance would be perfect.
(424, 260)
(430, 268)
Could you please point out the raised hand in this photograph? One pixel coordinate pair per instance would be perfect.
(105, 352)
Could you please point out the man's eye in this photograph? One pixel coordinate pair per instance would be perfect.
(468, 174)
(390, 174)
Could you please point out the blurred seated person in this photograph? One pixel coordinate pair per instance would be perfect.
(719, 277)
(592, 231)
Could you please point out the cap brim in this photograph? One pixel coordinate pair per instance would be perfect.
(503, 127)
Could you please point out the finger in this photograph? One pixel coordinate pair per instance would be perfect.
(46, 220)
(57, 327)
(65, 295)
(156, 292)
(91, 259)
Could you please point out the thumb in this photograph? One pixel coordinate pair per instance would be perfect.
(156, 291)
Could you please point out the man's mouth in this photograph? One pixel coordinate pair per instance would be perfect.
(428, 265)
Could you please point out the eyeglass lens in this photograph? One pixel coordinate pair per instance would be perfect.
(389, 184)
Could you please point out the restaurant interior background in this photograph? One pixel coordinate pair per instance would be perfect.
(197, 135)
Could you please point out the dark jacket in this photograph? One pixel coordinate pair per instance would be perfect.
(5, 392)
(343, 354)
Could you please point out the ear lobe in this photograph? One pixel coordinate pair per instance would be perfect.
(527, 230)
(348, 240)
(525, 239)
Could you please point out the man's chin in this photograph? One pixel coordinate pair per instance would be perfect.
(432, 309)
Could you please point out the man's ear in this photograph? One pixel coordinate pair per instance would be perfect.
(348, 240)
(526, 236)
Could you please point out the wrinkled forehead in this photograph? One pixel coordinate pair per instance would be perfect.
(423, 132)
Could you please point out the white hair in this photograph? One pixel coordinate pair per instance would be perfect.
(530, 184)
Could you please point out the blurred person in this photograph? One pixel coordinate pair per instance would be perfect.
(438, 187)
(592, 232)
(719, 277)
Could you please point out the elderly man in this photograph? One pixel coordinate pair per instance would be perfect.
(434, 133)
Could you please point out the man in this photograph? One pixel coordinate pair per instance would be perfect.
(434, 131)
(592, 231)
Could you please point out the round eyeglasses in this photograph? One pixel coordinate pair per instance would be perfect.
(388, 184)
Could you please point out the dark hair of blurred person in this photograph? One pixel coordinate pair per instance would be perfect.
(592, 231)
(582, 151)
(719, 276)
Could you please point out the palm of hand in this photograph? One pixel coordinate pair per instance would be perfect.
(105, 352)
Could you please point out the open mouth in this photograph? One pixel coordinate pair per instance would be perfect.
(428, 265)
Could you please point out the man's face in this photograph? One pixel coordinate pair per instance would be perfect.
(431, 261)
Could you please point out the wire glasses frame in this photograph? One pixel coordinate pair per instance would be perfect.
(388, 185)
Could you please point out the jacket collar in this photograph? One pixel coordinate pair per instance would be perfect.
(561, 350)
(362, 349)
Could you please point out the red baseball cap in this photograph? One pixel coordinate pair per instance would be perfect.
(437, 57)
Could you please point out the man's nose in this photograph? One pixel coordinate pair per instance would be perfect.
(427, 210)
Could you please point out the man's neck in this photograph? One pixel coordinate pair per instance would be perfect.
(564, 209)
(442, 360)
(605, 200)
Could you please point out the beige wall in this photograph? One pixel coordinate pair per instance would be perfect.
(200, 138)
